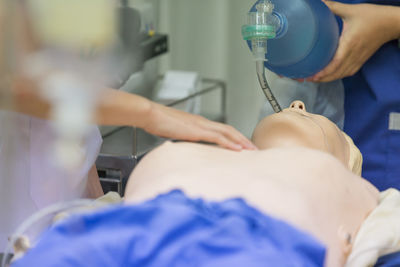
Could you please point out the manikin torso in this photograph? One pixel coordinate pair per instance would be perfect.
(310, 189)
(315, 192)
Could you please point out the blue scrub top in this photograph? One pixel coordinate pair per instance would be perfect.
(372, 112)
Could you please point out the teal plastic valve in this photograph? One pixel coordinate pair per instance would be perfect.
(261, 27)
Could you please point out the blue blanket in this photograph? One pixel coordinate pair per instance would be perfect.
(391, 260)
(173, 230)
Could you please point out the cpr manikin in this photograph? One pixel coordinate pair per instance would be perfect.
(301, 174)
(296, 127)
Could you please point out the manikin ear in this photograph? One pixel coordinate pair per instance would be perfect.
(346, 240)
(355, 156)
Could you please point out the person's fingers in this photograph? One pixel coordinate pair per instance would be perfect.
(349, 66)
(215, 137)
(195, 128)
(234, 135)
(332, 67)
(329, 73)
(354, 67)
(335, 73)
(342, 10)
(223, 130)
(335, 68)
(329, 70)
(219, 139)
(228, 131)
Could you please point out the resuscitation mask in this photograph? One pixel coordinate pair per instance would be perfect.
(293, 38)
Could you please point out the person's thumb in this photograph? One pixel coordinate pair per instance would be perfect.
(342, 10)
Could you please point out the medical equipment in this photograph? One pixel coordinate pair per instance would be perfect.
(262, 26)
(300, 38)
(302, 35)
(29, 231)
(140, 43)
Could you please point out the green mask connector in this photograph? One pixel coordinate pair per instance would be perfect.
(262, 25)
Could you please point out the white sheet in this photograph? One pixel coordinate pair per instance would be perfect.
(379, 235)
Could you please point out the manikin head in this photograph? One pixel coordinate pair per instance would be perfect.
(294, 126)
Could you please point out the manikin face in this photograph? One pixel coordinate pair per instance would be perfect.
(294, 126)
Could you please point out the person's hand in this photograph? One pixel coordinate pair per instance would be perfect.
(366, 28)
(171, 123)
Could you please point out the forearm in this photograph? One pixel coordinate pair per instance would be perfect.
(114, 107)
(120, 108)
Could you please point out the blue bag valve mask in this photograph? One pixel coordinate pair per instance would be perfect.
(300, 36)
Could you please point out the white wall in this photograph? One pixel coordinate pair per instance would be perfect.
(205, 36)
